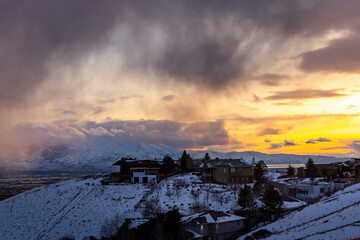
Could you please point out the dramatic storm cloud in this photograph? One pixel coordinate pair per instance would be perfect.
(175, 134)
(201, 42)
(167, 70)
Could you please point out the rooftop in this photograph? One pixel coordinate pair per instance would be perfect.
(210, 217)
(226, 163)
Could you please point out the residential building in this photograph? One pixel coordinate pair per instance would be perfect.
(227, 171)
(357, 167)
(211, 225)
(137, 171)
(307, 191)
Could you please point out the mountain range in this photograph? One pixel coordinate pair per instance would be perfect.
(98, 153)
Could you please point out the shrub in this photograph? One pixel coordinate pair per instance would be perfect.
(111, 226)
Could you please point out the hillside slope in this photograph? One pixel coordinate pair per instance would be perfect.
(334, 217)
(80, 207)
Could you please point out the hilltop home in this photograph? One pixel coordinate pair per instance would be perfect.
(329, 170)
(306, 191)
(211, 225)
(227, 171)
(137, 171)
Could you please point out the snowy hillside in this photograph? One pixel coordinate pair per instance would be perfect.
(79, 207)
(334, 217)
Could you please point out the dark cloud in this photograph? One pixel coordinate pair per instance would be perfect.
(168, 98)
(306, 94)
(196, 42)
(322, 139)
(289, 143)
(276, 145)
(35, 33)
(310, 141)
(342, 55)
(175, 134)
(269, 131)
(286, 143)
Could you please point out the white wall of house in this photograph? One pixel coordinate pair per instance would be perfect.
(311, 191)
(142, 177)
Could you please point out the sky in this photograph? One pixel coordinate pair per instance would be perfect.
(262, 75)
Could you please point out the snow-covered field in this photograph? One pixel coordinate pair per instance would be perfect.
(334, 217)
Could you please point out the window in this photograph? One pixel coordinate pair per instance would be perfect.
(321, 190)
(232, 179)
(224, 170)
(224, 180)
(232, 170)
(136, 179)
(145, 180)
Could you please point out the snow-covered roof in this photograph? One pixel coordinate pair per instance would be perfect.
(210, 217)
(212, 163)
(194, 234)
(135, 222)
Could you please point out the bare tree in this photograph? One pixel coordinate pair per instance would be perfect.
(195, 194)
(152, 208)
(219, 197)
(169, 193)
(207, 195)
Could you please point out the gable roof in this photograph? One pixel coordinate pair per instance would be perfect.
(138, 163)
(210, 217)
(212, 163)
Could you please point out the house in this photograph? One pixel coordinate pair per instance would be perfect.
(307, 191)
(136, 171)
(329, 170)
(357, 167)
(226, 171)
(211, 225)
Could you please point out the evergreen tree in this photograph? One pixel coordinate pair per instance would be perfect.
(186, 162)
(168, 165)
(206, 157)
(272, 201)
(311, 169)
(259, 174)
(246, 197)
(246, 200)
(290, 171)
